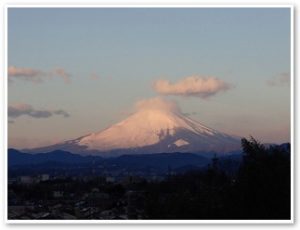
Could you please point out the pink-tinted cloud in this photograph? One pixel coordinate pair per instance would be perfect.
(15, 111)
(30, 74)
(196, 86)
(282, 79)
(36, 75)
(94, 77)
(60, 72)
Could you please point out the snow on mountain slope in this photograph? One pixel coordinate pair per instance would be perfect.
(181, 142)
(156, 126)
(141, 129)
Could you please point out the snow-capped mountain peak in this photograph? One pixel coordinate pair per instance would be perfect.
(160, 124)
(156, 126)
(141, 129)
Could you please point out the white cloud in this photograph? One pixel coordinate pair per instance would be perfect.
(196, 86)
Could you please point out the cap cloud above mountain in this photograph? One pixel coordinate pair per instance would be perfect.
(157, 103)
(196, 86)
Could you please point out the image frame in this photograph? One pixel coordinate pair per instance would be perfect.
(292, 103)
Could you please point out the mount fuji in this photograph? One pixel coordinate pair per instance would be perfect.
(157, 126)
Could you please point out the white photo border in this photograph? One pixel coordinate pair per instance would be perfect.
(103, 5)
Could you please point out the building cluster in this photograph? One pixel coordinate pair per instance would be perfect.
(46, 197)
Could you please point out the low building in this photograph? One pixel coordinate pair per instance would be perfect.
(44, 177)
(58, 194)
(26, 179)
(110, 179)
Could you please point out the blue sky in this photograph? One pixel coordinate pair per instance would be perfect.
(112, 57)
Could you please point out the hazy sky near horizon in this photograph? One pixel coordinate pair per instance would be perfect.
(74, 71)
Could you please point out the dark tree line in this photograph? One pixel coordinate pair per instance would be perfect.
(259, 190)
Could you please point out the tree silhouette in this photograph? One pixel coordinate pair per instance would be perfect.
(263, 182)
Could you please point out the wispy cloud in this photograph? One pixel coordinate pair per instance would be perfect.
(28, 74)
(61, 112)
(282, 79)
(36, 75)
(60, 72)
(195, 86)
(94, 77)
(190, 114)
(15, 111)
